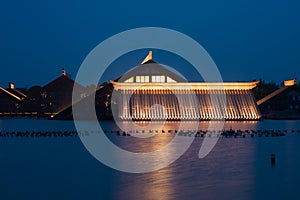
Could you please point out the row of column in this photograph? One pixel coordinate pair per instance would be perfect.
(187, 105)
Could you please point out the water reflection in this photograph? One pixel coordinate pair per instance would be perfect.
(154, 185)
(229, 167)
(237, 168)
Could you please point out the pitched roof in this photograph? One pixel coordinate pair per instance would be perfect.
(60, 80)
(62, 83)
(67, 112)
(151, 68)
(16, 93)
(274, 94)
(10, 94)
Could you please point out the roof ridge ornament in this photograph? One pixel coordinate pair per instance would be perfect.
(149, 57)
(64, 72)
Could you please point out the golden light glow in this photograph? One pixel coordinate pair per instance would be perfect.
(149, 57)
(170, 80)
(158, 79)
(130, 80)
(146, 79)
(11, 94)
(142, 79)
(289, 82)
(186, 104)
(159, 97)
(187, 85)
(11, 86)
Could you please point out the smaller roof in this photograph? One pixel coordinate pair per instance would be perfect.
(10, 94)
(16, 93)
(287, 84)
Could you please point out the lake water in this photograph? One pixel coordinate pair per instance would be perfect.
(236, 168)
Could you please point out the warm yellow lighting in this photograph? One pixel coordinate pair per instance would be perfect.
(11, 94)
(149, 57)
(142, 79)
(130, 80)
(289, 82)
(139, 104)
(11, 86)
(170, 80)
(157, 96)
(158, 79)
(273, 94)
(188, 85)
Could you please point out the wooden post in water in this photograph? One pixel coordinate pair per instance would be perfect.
(273, 159)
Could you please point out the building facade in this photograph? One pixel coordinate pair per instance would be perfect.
(152, 92)
(283, 103)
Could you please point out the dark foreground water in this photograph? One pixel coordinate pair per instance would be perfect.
(237, 168)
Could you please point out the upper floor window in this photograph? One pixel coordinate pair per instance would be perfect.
(170, 80)
(130, 80)
(154, 79)
(158, 79)
(142, 79)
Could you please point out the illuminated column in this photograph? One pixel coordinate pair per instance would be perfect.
(147, 111)
(216, 104)
(121, 95)
(230, 109)
(129, 111)
(160, 103)
(203, 113)
(236, 104)
(176, 108)
(182, 104)
(155, 98)
(244, 104)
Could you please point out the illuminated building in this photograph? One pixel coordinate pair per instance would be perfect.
(140, 91)
(283, 103)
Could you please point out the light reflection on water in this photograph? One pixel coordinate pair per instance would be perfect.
(237, 168)
(227, 172)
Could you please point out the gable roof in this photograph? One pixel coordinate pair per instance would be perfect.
(16, 93)
(10, 94)
(62, 83)
(275, 93)
(61, 80)
(67, 112)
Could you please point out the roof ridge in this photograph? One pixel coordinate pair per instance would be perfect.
(271, 95)
(9, 93)
(24, 95)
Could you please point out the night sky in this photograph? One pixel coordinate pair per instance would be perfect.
(247, 39)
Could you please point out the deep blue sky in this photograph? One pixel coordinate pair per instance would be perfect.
(248, 39)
